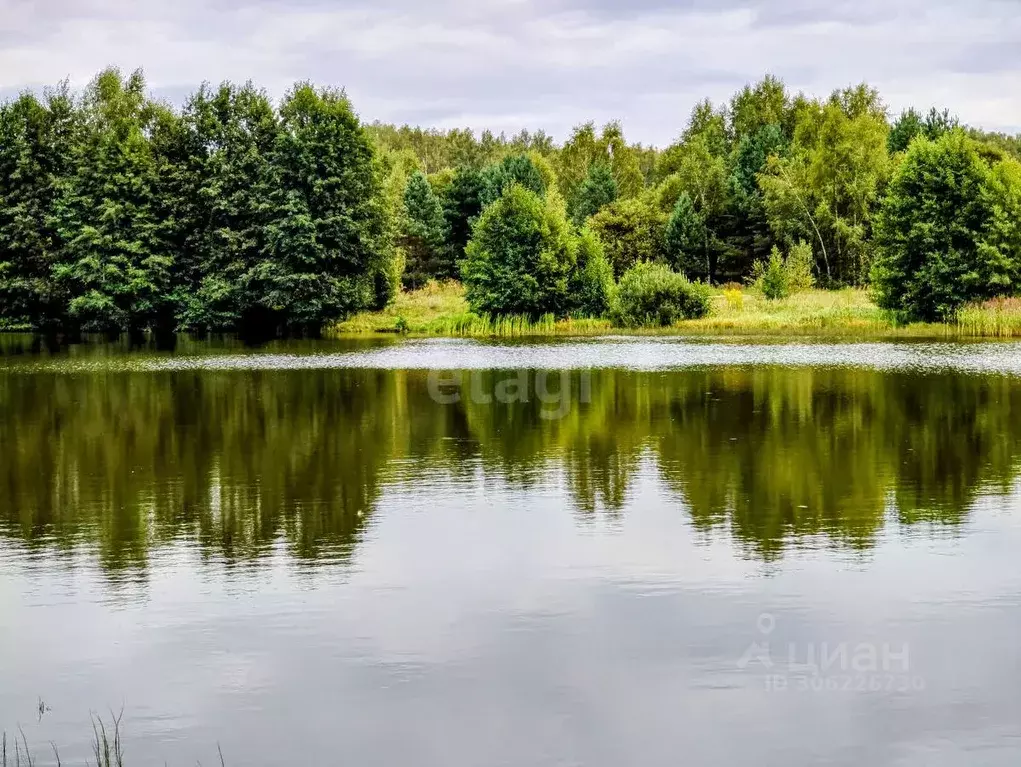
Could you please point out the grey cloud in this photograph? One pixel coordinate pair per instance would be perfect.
(996, 56)
(549, 64)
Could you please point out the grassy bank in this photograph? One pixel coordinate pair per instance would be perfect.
(441, 310)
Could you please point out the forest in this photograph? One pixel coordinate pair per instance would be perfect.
(232, 212)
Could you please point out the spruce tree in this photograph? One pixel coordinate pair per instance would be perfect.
(597, 190)
(422, 240)
(685, 238)
(462, 205)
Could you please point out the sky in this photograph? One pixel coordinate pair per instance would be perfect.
(549, 64)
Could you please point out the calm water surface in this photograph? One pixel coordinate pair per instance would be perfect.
(454, 553)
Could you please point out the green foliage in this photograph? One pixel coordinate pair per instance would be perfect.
(520, 257)
(423, 239)
(327, 242)
(514, 169)
(591, 284)
(685, 237)
(112, 268)
(942, 240)
(745, 219)
(771, 276)
(585, 149)
(631, 232)
(462, 203)
(1001, 240)
(755, 107)
(598, 190)
(911, 124)
(778, 277)
(702, 175)
(441, 150)
(827, 189)
(800, 266)
(240, 128)
(654, 295)
(36, 142)
(118, 212)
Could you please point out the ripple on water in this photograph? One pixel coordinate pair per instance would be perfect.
(607, 352)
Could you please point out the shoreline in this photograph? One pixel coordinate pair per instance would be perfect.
(439, 310)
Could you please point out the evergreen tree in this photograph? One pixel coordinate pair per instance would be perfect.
(746, 226)
(598, 190)
(685, 238)
(423, 240)
(911, 124)
(513, 169)
(462, 204)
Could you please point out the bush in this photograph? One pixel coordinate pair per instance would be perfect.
(800, 264)
(771, 276)
(653, 294)
(520, 257)
(778, 277)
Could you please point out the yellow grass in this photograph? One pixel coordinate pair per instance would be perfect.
(440, 309)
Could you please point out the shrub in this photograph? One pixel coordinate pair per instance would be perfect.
(800, 264)
(778, 277)
(520, 257)
(653, 294)
(771, 276)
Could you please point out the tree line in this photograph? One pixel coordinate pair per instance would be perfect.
(121, 213)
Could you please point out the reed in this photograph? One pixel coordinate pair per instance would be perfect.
(107, 746)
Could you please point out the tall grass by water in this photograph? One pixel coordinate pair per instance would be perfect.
(440, 309)
(107, 746)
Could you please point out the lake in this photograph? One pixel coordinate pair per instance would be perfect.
(451, 553)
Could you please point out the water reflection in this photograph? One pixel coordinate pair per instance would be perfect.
(240, 461)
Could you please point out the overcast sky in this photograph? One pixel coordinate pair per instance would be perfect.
(508, 64)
